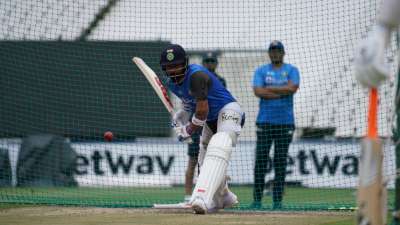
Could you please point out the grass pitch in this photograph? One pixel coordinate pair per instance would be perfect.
(294, 198)
(45, 215)
(122, 206)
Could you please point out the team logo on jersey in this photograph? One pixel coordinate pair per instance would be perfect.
(284, 74)
(188, 103)
(170, 56)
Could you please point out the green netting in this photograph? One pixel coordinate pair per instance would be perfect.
(66, 70)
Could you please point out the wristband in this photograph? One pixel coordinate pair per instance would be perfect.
(197, 121)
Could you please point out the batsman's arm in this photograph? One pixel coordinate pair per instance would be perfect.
(199, 86)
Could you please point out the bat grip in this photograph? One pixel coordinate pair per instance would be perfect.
(372, 130)
(186, 140)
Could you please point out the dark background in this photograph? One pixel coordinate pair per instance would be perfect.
(79, 89)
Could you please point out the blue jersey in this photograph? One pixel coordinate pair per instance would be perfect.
(276, 111)
(218, 96)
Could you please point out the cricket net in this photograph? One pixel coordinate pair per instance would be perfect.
(67, 72)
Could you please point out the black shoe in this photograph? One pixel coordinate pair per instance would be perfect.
(277, 205)
(396, 218)
(395, 222)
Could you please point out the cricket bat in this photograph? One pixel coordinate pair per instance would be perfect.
(155, 83)
(158, 87)
(372, 194)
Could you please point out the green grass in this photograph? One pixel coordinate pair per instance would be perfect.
(294, 198)
(12, 205)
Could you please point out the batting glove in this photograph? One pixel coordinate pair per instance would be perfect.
(370, 68)
(180, 118)
(184, 133)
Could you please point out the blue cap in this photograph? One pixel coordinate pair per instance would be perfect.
(210, 57)
(276, 45)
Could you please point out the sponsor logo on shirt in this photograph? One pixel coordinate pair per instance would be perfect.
(269, 79)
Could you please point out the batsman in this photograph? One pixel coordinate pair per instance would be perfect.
(216, 114)
(371, 70)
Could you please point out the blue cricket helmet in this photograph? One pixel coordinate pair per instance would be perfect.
(172, 55)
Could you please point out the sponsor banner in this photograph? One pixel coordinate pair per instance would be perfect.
(129, 164)
(151, 162)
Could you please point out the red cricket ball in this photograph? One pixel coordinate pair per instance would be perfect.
(108, 136)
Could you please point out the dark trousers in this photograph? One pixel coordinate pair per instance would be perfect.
(194, 147)
(280, 136)
(396, 139)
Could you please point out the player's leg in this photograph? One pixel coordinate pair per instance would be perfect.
(396, 213)
(213, 170)
(282, 138)
(193, 153)
(396, 138)
(231, 120)
(263, 145)
(205, 138)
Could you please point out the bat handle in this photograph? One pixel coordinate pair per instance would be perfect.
(188, 140)
(372, 130)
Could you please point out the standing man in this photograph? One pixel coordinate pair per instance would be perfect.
(216, 114)
(370, 71)
(275, 84)
(210, 62)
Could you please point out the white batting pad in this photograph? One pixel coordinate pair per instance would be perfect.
(213, 171)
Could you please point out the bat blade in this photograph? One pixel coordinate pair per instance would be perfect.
(155, 82)
(372, 191)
